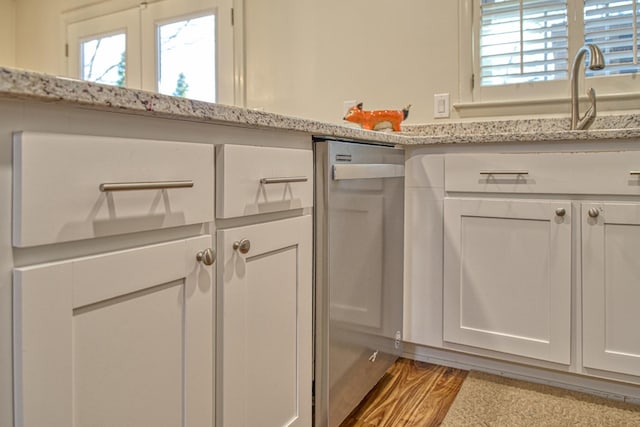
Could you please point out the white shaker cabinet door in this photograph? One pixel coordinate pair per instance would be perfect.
(264, 324)
(117, 339)
(507, 276)
(611, 286)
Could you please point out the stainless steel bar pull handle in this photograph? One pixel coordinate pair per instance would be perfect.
(505, 172)
(284, 180)
(152, 185)
(634, 172)
(367, 171)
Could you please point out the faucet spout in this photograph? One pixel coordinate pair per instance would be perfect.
(596, 62)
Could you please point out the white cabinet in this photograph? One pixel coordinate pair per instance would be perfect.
(539, 264)
(507, 276)
(423, 254)
(73, 187)
(611, 286)
(264, 359)
(264, 294)
(256, 180)
(118, 339)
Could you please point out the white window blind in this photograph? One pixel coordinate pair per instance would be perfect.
(522, 41)
(614, 27)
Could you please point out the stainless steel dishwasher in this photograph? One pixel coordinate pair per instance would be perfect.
(359, 224)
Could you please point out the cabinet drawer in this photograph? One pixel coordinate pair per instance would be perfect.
(561, 173)
(69, 187)
(253, 180)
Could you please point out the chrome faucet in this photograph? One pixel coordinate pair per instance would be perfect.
(596, 62)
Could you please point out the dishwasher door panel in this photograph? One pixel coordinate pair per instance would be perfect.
(355, 259)
(359, 256)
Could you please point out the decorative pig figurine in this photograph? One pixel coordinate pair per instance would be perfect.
(377, 119)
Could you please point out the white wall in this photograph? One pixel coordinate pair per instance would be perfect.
(38, 45)
(305, 57)
(39, 33)
(7, 20)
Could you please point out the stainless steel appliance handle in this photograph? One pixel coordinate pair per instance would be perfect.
(154, 185)
(365, 171)
(284, 180)
(505, 172)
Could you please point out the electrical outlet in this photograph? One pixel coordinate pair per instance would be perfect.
(346, 105)
(441, 105)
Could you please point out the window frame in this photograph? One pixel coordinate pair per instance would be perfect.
(142, 55)
(161, 13)
(80, 31)
(531, 90)
(532, 96)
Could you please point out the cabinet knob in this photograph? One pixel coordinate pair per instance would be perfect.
(561, 211)
(593, 212)
(242, 246)
(207, 257)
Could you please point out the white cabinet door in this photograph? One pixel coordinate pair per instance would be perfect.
(118, 339)
(507, 276)
(611, 286)
(264, 325)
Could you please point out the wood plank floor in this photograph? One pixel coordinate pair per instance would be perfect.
(410, 394)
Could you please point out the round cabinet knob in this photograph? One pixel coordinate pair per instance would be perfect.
(242, 246)
(561, 211)
(207, 257)
(593, 212)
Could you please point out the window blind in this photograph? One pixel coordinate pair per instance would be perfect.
(614, 27)
(522, 41)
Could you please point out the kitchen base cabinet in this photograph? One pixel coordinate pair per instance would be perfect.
(507, 276)
(264, 361)
(117, 339)
(610, 286)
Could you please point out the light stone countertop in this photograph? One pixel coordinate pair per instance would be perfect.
(28, 85)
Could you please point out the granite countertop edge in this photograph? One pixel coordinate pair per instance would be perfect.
(29, 85)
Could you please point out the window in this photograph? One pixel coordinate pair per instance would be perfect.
(186, 58)
(523, 41)
(525, 48)
(615, 27)
(103, 59)
(104, 49)
(175, 47)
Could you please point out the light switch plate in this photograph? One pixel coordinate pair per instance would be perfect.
(441, 105)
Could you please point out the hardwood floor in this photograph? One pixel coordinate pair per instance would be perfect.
(410, 394)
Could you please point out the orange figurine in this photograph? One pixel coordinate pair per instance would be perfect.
(377, 119)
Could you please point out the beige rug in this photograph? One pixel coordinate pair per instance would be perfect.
(489, 400)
